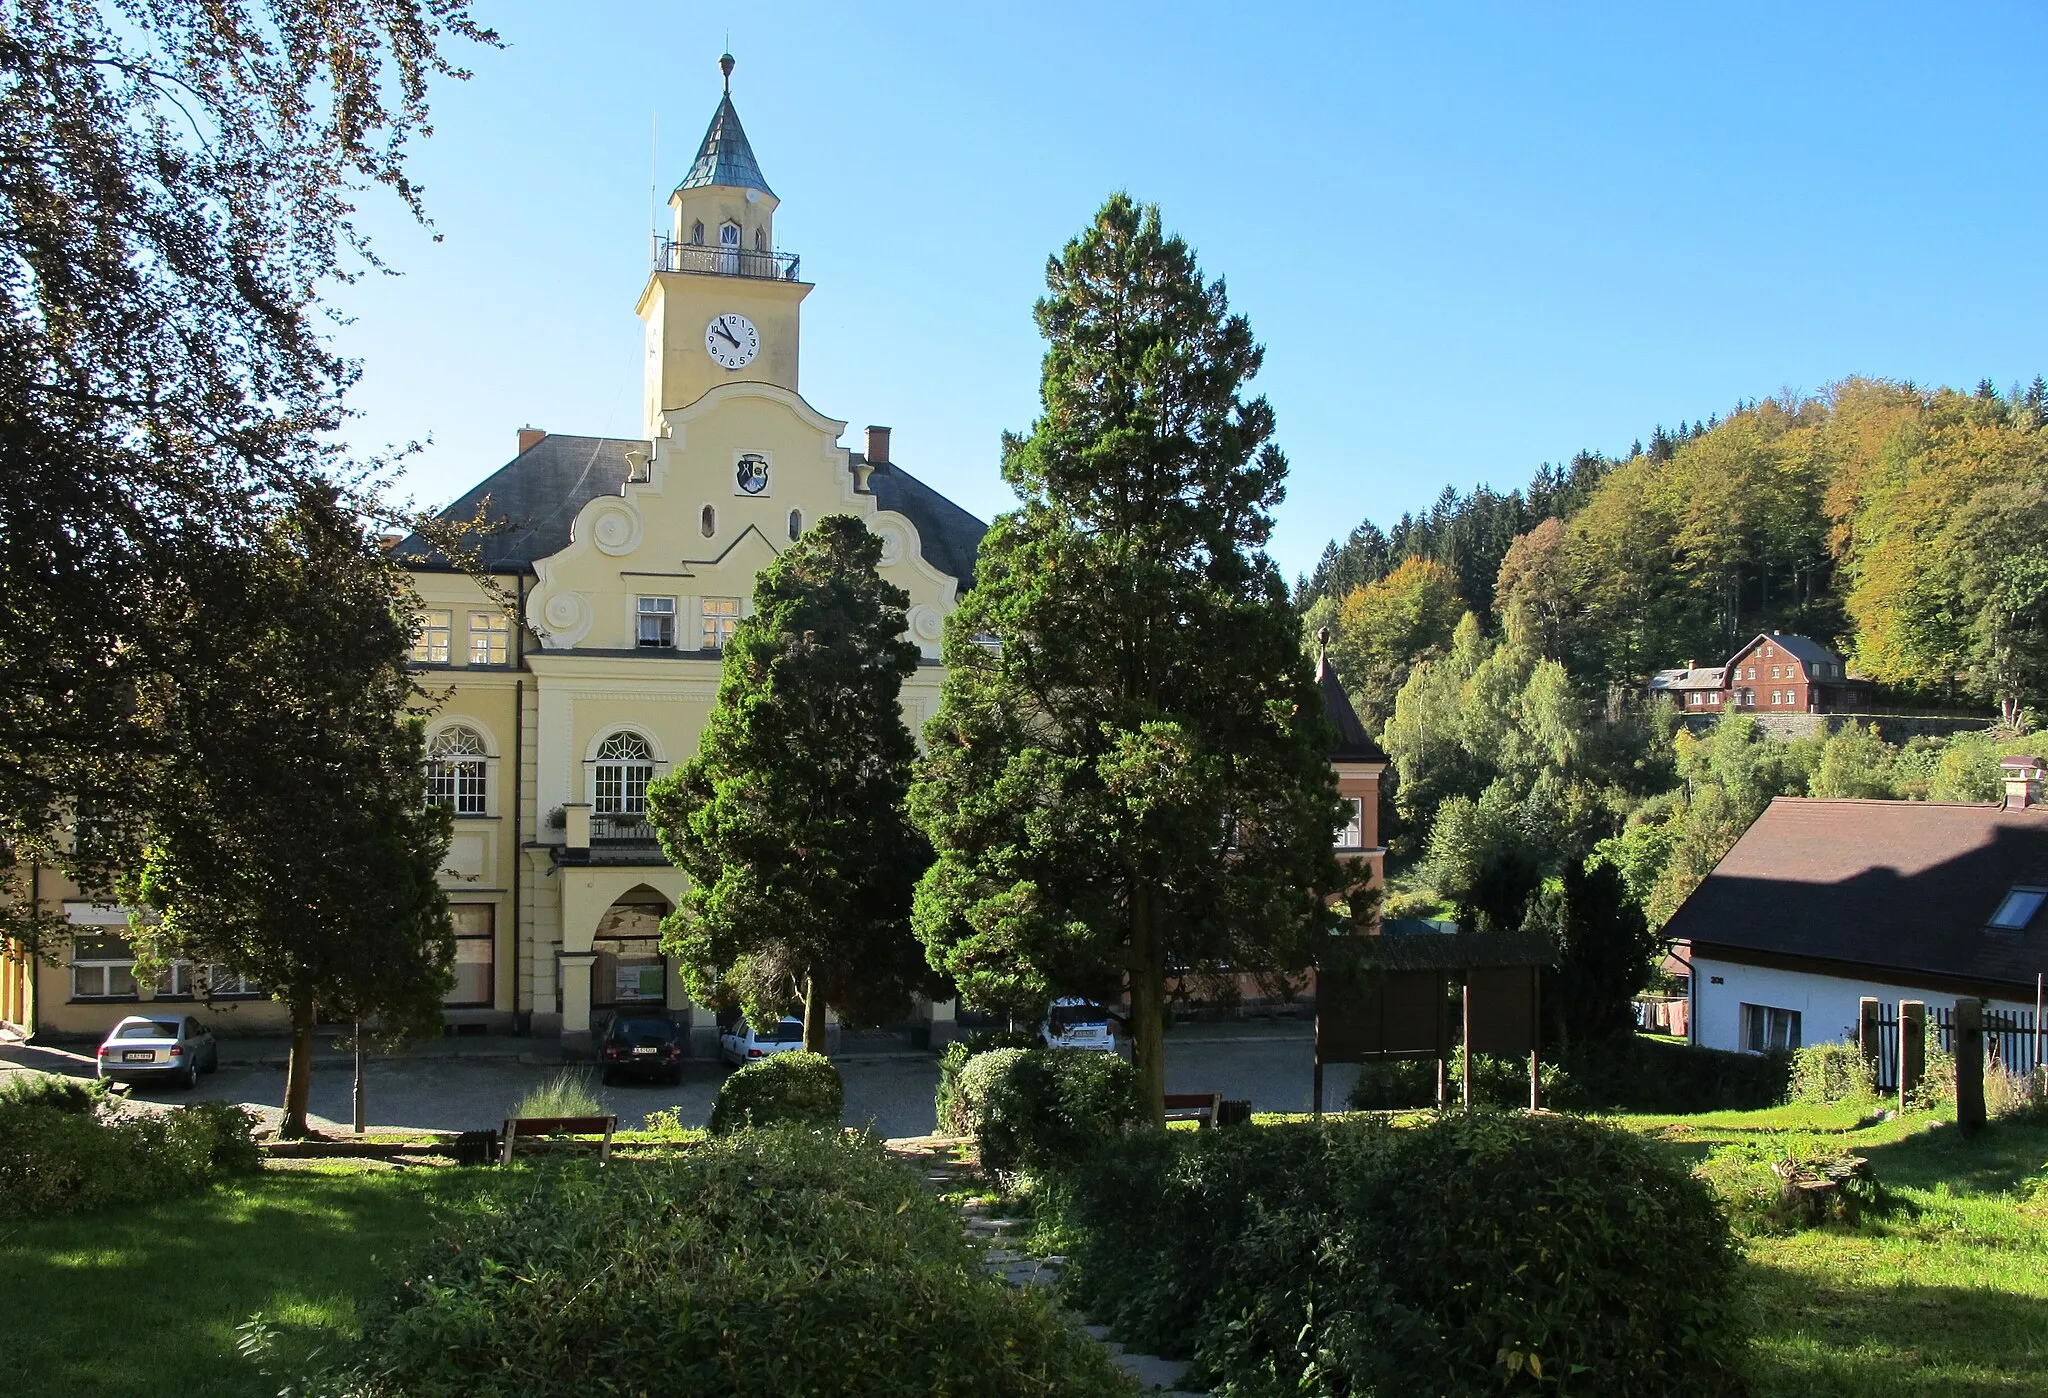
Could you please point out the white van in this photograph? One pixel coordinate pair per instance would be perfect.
(1077, 1024)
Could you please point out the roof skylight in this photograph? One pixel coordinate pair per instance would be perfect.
(2019, 908)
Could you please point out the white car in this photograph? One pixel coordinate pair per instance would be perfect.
(1077, 1024)
(177, 1047)
(743, 1043)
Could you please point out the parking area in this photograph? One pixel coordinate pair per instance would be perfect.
(475, 1084)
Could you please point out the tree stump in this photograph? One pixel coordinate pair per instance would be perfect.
(1821, 1191)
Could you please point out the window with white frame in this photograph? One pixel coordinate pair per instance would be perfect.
(102, 967)
(1351, 834)
(475, 946)
(721, 615)
(187, 980)
(430, 637)
(490, 638)
(456, 777)
(1767, 1027)
(657, 622)
(620, 776)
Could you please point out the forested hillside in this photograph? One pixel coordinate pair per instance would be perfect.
(1498, 644)
(1903, 526)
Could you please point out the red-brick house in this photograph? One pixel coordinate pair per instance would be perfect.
(1773, 674)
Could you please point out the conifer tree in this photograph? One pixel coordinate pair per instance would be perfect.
(1127, 771)
(789, 820)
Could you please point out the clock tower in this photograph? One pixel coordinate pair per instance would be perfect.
(721, 304)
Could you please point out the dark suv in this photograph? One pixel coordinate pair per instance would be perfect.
(641, 1048)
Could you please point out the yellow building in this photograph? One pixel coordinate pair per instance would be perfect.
(629, 562)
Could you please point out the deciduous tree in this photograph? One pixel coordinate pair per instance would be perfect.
(291, 839)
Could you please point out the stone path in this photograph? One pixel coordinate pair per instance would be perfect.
(938, 1159)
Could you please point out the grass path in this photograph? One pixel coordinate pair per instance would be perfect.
(146, 1300)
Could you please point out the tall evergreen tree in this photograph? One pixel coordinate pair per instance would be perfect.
(293, 841)
(1127, 768)
(790, 819)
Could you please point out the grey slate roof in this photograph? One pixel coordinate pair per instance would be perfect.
(536, 496)
(1698, 677)
(1885, 885)
(725, 158)
(1353, 743)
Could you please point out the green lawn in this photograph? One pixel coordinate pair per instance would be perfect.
(146, 1300)
(1947, 1294)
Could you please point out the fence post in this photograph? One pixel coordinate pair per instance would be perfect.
(1912, 1048)
(1968, 1027)
(1869, 1035)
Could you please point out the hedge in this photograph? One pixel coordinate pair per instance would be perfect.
(1467, 1255)
(56, 1159)
(770, 1263)
(787, 1088)
(1634, 1074)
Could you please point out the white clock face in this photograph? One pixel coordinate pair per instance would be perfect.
(732, 340)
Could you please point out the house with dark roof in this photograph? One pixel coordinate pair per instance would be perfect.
(1773, 674)
(1822, 903)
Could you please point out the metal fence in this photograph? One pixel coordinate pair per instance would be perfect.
(2008, 1039)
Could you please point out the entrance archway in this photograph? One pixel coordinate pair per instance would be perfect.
(628, 973)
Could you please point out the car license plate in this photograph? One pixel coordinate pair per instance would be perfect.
(139, 1056)
(644, 1052)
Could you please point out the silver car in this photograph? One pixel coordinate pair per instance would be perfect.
(142, 1047)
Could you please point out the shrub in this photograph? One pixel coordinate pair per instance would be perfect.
(945, 1099)
(768, 1263)
(567, 1093)
(1834, 1072)
(1045, 1110)
(801, 1089)
(49, 1090)
(1467, 1255)
(1651, 1074)
(55, 1160)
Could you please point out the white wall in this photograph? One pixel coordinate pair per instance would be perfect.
(1827, 1005)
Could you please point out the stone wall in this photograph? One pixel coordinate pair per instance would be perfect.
(1893, 728)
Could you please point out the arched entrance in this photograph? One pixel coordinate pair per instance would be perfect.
(628, 973)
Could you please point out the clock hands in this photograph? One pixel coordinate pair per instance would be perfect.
(719, 326)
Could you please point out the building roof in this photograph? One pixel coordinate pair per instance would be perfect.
(1698, 677)
(725, 158)
(1801, 648)
(1901, 885)
(1353, 743)
(534, 498)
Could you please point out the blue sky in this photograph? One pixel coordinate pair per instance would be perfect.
(1473, 238)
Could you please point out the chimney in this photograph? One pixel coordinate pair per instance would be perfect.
(530, 437)
(878, 446)
(2022, 782)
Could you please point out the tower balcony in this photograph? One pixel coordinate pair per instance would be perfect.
(720, 261)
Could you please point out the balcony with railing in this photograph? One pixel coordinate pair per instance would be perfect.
(720, 260)
(621, 828)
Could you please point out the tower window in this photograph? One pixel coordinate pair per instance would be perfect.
(760, 240)
(796, 525)
(697, 232)
(708, 521)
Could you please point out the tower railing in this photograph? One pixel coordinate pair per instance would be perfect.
(717, 260)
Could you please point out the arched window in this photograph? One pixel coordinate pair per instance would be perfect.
(455, 771)
(796, 525)
(760, 240)
(708, 521)
(624, 767)
(697, 232)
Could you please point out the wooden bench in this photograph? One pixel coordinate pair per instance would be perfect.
(531, 1126)
(1199, 1107)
